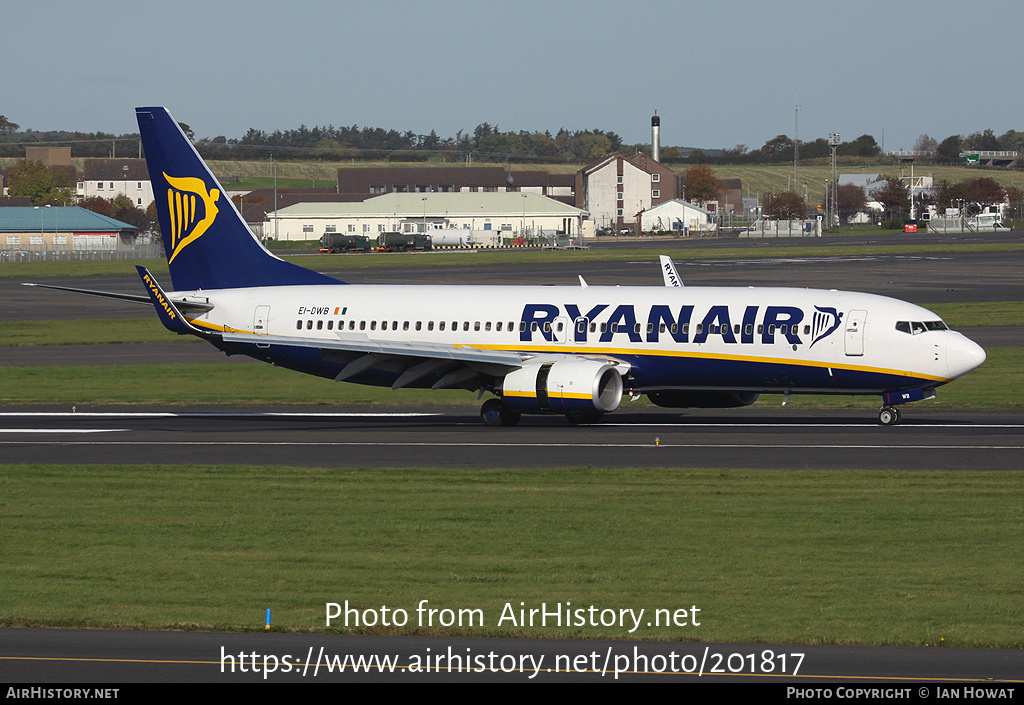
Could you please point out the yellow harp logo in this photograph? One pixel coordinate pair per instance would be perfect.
(192, 208)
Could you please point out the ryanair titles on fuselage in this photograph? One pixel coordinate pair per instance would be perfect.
(733, 326)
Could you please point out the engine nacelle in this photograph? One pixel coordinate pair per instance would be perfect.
(583, 386)
(675, 399)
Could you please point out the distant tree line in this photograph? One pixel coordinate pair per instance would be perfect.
(488, 142)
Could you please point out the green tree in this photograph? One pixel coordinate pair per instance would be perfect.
(981, 142)
(40, 184)
(6, 126)
(777, 148)
(863, 146)
(949, 149)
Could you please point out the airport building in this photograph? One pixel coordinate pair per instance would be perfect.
(677, 215)
(60, 228)
(616, 189)
(491, 218)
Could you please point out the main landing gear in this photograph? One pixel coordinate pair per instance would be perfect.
(494, 413)
(889, 416)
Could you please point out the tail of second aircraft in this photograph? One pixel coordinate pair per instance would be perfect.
(208, 244)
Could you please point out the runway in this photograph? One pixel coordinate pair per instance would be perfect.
(821, 440)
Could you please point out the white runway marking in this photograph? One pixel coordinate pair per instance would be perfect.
(62, 430)
(445, 444)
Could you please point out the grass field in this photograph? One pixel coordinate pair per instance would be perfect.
(756, 178)
(792, 557)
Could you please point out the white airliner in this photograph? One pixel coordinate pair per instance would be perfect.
(572, 350)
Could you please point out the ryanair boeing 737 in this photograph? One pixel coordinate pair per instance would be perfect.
(571, 350)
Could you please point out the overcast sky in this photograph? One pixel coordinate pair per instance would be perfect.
(719, 74)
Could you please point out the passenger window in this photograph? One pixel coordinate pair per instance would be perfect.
(440, 326)
(419, 325)
(330, 325)
(547, 326)
(476, 326)
(298, 325)
(383, 325)
(749, 330)
(405, 326)
(465, 325)
(430, 325)
(373, 325)
(319, 325)
(498, 327)
(362, 325)
(309, 325)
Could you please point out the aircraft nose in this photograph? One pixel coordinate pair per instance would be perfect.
(963, 355)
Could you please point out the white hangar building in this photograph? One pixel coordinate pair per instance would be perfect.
(507, 215)
(676, 215)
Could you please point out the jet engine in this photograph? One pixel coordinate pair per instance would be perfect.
(675, 399)
(568, 386)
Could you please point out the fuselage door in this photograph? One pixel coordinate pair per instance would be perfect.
(260, 320)
(580, 329)
(855, 332)
(560, 328)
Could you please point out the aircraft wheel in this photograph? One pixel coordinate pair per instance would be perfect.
(889, 416)
(494, 414)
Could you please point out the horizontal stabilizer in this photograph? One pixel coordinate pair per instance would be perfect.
(166, 309)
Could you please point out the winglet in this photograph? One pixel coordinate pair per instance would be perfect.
(169, 314)
(668, 270)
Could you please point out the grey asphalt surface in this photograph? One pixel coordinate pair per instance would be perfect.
(733, 438)
(34, 656)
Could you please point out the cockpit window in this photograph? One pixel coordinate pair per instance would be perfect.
(918, 327)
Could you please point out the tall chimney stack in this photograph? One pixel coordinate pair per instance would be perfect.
(656, 137)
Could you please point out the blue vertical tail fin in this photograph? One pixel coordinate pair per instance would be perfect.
(208, 244)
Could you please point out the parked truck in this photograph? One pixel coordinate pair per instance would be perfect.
(337, 242)
(402, 242)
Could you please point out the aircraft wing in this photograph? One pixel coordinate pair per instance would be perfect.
(417, 360)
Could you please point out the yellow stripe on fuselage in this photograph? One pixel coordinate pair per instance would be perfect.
(618, 352)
